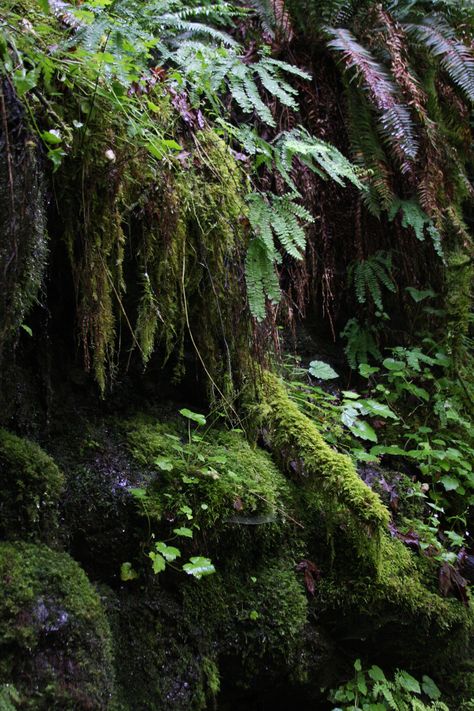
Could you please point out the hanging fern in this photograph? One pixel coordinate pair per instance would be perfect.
(370, 275)
(261, 278)
(455, 57)
(322, 158)
(396, 122)
(273, 219)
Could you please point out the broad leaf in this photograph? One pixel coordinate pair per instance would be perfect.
(321, 370)
(198, 567)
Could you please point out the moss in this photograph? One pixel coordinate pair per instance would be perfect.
(30, 487)
(219, 475)
(23, 249)
(54, 638)
(162, 660)
(397, 613)
(296, 441)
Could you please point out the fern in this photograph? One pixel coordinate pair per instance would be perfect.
(413, 216)
(396, 122)
(261, 278)
(272, 218)
(322, 158)
(360, 344)
(455, 57)
(368, 277)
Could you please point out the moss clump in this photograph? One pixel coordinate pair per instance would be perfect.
(30, 487)
(332, 476)
(54, 638)
(257, 618)
(220, 476)
(397, 613)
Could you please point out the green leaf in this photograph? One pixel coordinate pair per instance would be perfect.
(198, 567)
(138, 493)
(159, 563)
(323, 371)
(52, 137)
(194, 416)
(418, 296)
(127, 572)
(362, 429)
(254, 615)
(27, 329)
(450, 483)
(358, 665)
(183, 531)
(376, 408)
(392, 364)
(376, 674)
(408, 682)
(166, 465)
(430, 688)
(366, 370)
(168, 552)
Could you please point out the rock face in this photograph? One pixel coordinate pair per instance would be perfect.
(54, 637)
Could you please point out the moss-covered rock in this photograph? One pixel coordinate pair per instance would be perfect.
(400, 614)
(216, 480)
(330, 476)
(30, 487)
(161, 655)
(54, 638)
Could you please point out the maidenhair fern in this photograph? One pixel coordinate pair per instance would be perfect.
(370, 275)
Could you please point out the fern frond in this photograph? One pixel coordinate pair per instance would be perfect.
(322, 158)
(397, 125)
(455, 57)
(416, 218)
(261, 279)
(369, 275)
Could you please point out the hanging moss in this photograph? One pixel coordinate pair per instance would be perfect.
(188, 261)
(330, 475)
(54, 639)
(30, 487)
(23, 248)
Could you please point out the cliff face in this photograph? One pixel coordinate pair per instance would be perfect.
(165, 245)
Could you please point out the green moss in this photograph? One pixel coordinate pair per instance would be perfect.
(398, 613)
(163, 661)
(30, 487)
(54, 639)
(330, 475)
(219, 475)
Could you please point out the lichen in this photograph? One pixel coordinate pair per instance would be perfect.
(54, 638)
(30, 488)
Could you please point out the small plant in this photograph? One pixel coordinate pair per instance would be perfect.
(162, 554)
(371, 690)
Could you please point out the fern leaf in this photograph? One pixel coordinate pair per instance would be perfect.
(395, 118)
(455, 57)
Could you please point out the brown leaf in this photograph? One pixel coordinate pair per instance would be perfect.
(238, 504)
